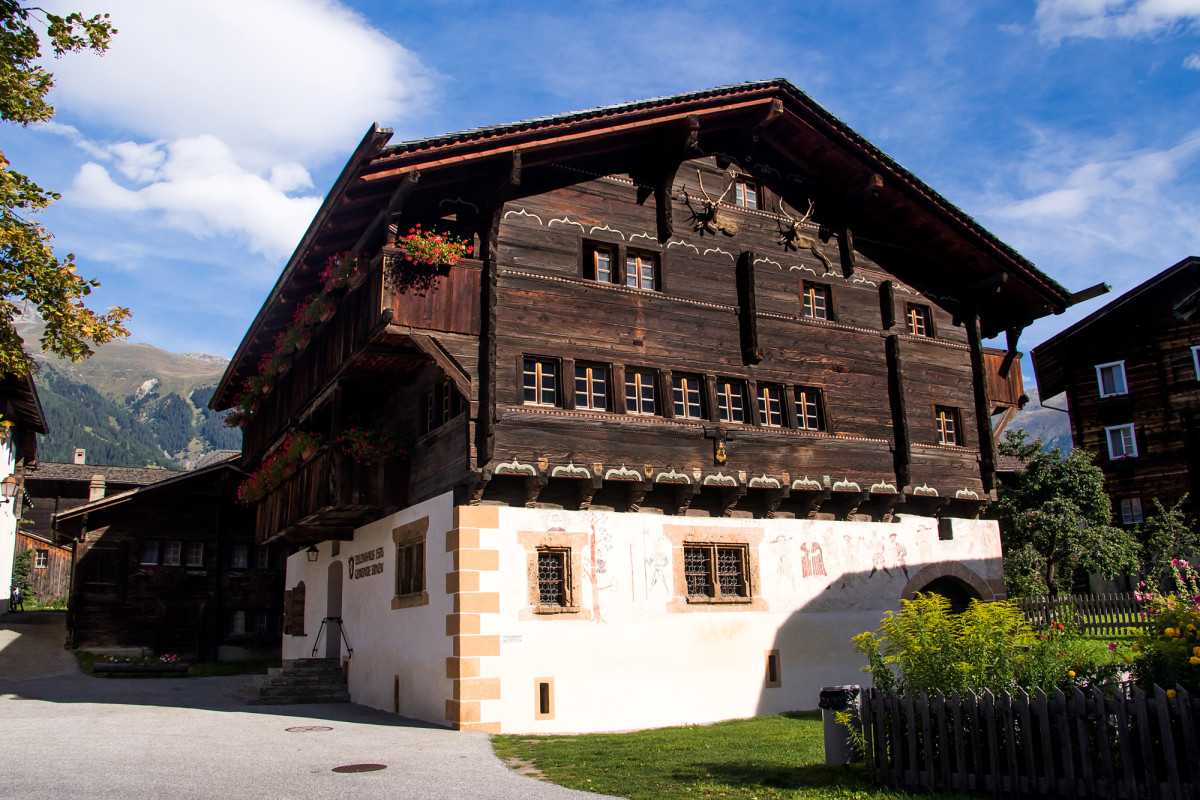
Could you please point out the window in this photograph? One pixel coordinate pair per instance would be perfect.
(641, 270)
(686, 392)
(770, 406)
(1111, 378)
(591, 387)
(745, 194)
(237, 624)
(258, 622)
(553, 576)
(808, 409)
(171, 553)
(195, 554)
(919, 321)
(731, 401)
(1121, 442)
(239, 558)
(947, 426)
(715, 571)
(541, 382)
(816, 301)
(442, 404)
(1131, 510)
(599, 263)
(41, 559)
(149, 551)
(1196, 360)
(262, 557)
(639, 391)
(410, 564)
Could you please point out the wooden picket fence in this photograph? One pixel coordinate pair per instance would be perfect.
(1037, 746)
(1098, 614)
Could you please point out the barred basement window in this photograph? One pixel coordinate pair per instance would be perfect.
(553, 576)
(716, 571)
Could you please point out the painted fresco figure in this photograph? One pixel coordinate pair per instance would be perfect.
(816, 561)
(783, 568)
(901, 554)
(879, 560)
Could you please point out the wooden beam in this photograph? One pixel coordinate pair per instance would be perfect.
(485, 426)
(902, 456)
(983, 406)
(395, 205)
(846, 250)
(887, 304)
(432, 348)
(747, 311)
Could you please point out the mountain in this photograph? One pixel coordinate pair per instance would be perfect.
(1052, 424)
(130, 405)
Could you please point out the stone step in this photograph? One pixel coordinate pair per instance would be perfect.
(280, 691)
(343, 697)
(311, 663)
(298, 680)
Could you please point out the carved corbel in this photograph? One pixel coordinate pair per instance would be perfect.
(533, 487)
(685, 493)
(853, 501)
(812, 505)
(729, 498)
(637, 493)
(587, 489)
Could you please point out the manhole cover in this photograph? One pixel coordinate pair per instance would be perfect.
(360, 768)
(308, 728)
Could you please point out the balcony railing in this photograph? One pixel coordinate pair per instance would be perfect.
(328, 496)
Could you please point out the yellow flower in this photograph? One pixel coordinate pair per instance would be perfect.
(1196, 651)
(1171, 693)
(1071, 672)
(1194, 660)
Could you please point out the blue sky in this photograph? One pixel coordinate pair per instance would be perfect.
(192, 157)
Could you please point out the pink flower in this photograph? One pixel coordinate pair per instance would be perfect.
(1112, 646)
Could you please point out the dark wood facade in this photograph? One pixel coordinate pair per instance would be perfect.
(173, 568)
(50, 570)
(1131, 377)
(864, 320)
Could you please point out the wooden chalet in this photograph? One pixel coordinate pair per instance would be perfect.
(172, 567)
(725, 303)
(50, 570)
(1131, 375)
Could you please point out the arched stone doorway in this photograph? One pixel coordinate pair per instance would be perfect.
(951, 580)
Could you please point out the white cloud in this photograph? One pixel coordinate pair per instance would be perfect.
(1192, 61)
(1059, 19)
(196, 185)
(274, 79)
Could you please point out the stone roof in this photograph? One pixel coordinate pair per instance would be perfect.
(137, 476)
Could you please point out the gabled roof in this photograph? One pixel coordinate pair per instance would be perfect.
(176, 479)
(772, 114)
(22, 392)
(1048, 359)
(140, 476)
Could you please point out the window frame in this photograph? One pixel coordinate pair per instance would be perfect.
(725, 396)
(190, 549)
(41, 558)
(563, 556)
(635, 279)
(157, 557)
(539, 389)
(808, 295)
(239, 556)
(593, 373)
(166, 557)
(747, 194)
(947, 423)
(1131, 511)
(591, 265)
(641, 379)
(410, 565)
(926, 315)
(1196, 360)
(802, 418)
(713, 592)
(680, 384)
(764, 392)
(1114, 366)
(1129, 428)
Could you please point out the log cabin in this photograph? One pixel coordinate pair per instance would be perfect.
(1130, 373)
(707, 395)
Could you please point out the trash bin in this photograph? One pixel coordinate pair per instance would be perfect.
(838, 747)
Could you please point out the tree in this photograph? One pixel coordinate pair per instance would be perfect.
(1166, 535)
(29, 270)
(1054, 519)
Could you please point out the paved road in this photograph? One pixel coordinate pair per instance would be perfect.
(65, 734)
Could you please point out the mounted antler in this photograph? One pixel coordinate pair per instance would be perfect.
(792, 239)
(704, 220)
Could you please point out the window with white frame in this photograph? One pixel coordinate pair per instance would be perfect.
(816, 301)
(41, 559)
(808, 409)
(1131, 510)
(1122, 443)
(171, 553)
(195, 554)
(641, 270)
(239, 558)
(149, 551)
(745, 194)
(639, 391)
(1111, 378)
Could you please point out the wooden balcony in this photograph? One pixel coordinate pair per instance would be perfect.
(329, 496)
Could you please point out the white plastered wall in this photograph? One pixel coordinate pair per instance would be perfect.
(8, 523)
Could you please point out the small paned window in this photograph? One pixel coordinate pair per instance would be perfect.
(171, 553)
(259, 622)
(195, 554)
(262, 557)
(816, 301)
(149, 551)
(731, 401)
(687, 397)
(599, 263)
(1122, 442)
(541, 382)
(745, 194)
(808, 409)
(239, 557)
(1131, 510)
(920, 323)
(1196, 360)
(641, 271)
(947, 426)
(237, 622)
(1111, 379)
(716, 570)
(770, 406)
(639, 392)
(442, 404)
(553, 579)
(410, 567)
(591, 387)
(41, 559)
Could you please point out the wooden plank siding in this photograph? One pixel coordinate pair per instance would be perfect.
(52, 581)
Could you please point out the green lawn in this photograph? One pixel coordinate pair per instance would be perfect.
(779, 756)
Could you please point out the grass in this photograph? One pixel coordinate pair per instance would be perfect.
(203, 669)
(778, 757)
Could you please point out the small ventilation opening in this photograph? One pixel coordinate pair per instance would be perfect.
(773, 677)
(396, 695)
(543, 691)
(543, 698)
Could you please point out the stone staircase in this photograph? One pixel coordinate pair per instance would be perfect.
(302, 680)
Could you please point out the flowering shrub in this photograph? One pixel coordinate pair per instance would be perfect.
(433, 248)
(1169, 653)
(276, 467)
(368, 445)
(342, 269)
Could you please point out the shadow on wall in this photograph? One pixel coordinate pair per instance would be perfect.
(812, 647)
